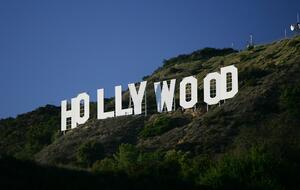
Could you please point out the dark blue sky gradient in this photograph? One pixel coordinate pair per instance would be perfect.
(53, 50)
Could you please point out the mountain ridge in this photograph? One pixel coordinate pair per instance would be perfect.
(265, 111)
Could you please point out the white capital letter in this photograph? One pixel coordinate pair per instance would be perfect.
(100, 106)
(137, 97)
(194, 92)
(118, 102)
(74, 113)
(86, 105)
(207, 87)
(164, 95)
(232, 73)
(68, 114)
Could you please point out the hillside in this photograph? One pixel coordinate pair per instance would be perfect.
(264, 114)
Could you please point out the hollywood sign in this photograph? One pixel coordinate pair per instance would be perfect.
(216, 86)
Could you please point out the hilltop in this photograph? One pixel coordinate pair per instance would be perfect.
(264, 115)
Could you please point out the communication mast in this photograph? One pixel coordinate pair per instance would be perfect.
(250, 43)
(285, 35)
(296, 27)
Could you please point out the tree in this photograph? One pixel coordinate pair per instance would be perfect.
(126, 156)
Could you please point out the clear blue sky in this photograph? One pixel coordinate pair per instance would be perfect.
(52, 50)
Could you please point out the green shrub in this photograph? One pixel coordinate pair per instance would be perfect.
(124, 160)
(126, 156)
(160, 125)
(37, 138)
(290, 101)
(156, 127)
(253, 170)
(202, 54)
(90, 152)
(107, 165)
(294, 43)
(28, 133)
(256, 168)
(192, 168)
(250, 76)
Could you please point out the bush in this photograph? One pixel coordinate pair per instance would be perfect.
(192, 168)
(160, 125)
(202, 54)
(253, 170)
(250, 76)
(124, 160)
(37, 138)
(107, 165)
(28, 133)
(293, 43)
(128, 159)
(256, 168)
(126, 156)
(90, 152)
(290, 101)
(156, 127)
